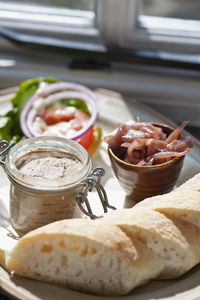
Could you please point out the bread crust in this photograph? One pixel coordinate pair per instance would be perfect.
(88, 245)
(158, 238)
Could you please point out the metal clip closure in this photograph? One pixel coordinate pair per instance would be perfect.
(4, 149)
(88, 185)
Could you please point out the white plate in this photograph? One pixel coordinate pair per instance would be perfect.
(112, 110)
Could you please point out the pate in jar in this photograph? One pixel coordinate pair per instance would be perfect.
(45, 173)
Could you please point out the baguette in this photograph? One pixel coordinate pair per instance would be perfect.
(191, 184)
(176, 245)
(82, 255)
(183, 204)
(157, 238)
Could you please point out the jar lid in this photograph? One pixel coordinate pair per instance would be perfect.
(48, 144)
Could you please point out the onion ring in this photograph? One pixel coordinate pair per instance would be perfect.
(29, 113)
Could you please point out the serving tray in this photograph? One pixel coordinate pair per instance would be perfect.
(113, 108)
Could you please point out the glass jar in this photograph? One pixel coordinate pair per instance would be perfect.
(36, 201)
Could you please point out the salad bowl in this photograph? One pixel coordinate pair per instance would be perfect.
(48, 107)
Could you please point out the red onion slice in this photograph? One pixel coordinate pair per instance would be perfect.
(30, 113)
(54, 87)
(29, 122)
(23, 115)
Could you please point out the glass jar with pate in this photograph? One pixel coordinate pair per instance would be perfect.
(45, 174)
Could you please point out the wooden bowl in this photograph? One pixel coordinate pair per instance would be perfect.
(140, 182)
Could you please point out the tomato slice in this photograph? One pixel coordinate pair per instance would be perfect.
(77, 117)
(86, 139)
(58, 114)
(80, 119)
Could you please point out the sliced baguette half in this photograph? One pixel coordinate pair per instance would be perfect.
(182, 204)
(193, 184)
(84, 255)
(159, 234)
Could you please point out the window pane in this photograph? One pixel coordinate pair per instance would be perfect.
(71, 4)
(183, 9)
(79, 13)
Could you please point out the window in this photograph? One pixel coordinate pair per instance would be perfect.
(171, 25)
(176, 9)
(54, 18)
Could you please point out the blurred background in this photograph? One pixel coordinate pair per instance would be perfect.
(148, 50)
(174, 9)
(171, 8)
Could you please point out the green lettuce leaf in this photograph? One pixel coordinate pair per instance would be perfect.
(9, 123)
(5, 127)
(78, 103)
(26, 90)
(9, 127)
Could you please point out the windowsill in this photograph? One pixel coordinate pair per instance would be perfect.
(98, 50)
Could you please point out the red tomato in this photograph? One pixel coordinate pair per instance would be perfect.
(56, 115)
(86, 139)
(80, 119)
(77, 118)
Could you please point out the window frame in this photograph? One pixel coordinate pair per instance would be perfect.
(116, 29)
(67, 30)
(137, 32)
